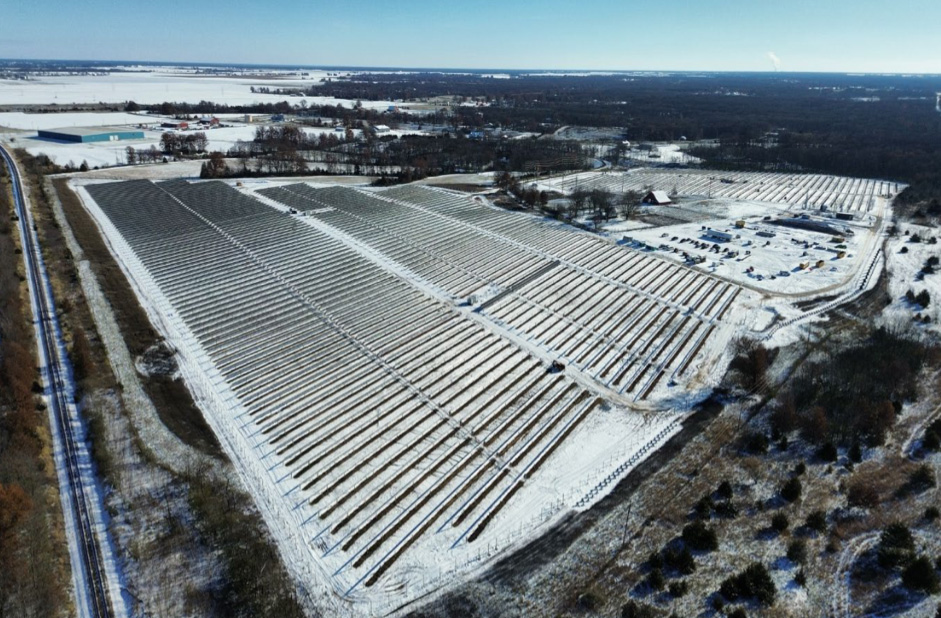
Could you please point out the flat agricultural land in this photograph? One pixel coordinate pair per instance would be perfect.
(411, 381)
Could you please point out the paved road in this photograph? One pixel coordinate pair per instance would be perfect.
(71, 453)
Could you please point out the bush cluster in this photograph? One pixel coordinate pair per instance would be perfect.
(896, 546)
(753, 582)
(700, 537)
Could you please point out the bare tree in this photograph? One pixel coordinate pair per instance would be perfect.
(628, 204)
(577, 202)
(602, 203)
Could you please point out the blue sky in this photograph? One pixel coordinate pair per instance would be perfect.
(733, 35)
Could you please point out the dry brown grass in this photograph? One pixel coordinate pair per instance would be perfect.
(170, 397)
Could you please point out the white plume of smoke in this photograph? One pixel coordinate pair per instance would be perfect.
(775, 61)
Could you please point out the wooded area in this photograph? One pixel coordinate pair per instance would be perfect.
(31, 566)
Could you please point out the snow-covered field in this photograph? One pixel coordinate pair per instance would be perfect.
(906, 260)
(34, 122)
(154, 85)
(662, 153)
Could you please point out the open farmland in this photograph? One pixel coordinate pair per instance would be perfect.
(379, 364)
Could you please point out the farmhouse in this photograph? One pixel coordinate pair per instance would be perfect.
(657, 197)
(91, 134)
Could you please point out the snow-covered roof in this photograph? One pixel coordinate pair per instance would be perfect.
(660, 197)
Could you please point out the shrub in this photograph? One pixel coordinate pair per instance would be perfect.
(83, 364)
(738, 612)
(923, 298)
(921, 478)
(751, 364)
(756, 443)
(680, 560)
(678, 588)
(931, 441)
(800, 469)
(753, 582)
(862, 494)
(800, 578)
(633, 609)
(817, 521)
(932, 513)
(920, 575)
(784, 415)
(655, 561)
(700, 537)
(896, 546)
(703, 508)
(827, 452)
(724, 490)
(791, 490)
(855, 453)
(935, 427)
(590, 600)
(779, 522)
(726, 509)
(655, 580)
(797, 551)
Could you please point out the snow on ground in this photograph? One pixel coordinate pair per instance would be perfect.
(905, 262)
(625, 226)
(662, 153)
(34, 122)
(86, 481)
(152, 86)
(155, 171)
(772, 264)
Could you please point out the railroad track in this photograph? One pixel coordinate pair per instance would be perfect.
(95, 601)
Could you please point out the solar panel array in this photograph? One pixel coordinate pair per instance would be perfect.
(839, 193)
(624, 318)
(395, 416)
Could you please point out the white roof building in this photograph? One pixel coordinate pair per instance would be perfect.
(657, 197)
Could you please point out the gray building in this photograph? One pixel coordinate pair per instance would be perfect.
(91, 134)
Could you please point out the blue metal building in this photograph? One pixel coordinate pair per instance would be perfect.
(91, 134)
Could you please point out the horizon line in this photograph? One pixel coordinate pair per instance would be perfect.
(364, 68)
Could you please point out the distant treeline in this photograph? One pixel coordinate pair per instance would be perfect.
(873, 126)
(288, 149)
(868, 126)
